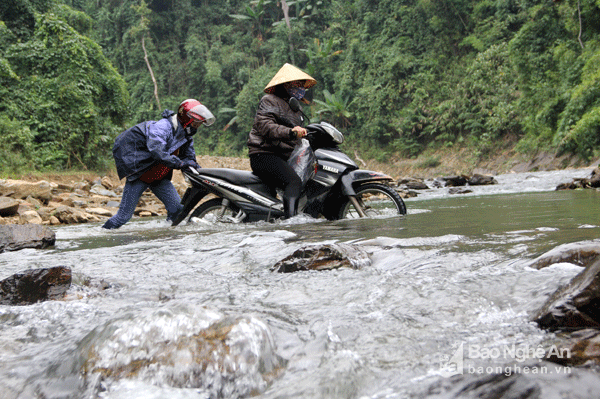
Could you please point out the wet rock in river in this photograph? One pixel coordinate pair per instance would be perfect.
(594, 179)
(580, 348)
(574, 306)
(15, 237)
(451, 181)
(35, 285)
(324, 257)
(481, 180)
(459, 190)
(578, 253)
(219, 356)
(590, 182)
(412, 183)
(572, 185)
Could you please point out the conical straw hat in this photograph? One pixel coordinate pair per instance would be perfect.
(289, 73)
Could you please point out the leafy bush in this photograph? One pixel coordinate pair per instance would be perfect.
(579, 124)
(74, 99)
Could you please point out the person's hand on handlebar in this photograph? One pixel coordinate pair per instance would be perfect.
(189, 163)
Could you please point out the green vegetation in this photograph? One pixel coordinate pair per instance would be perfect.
(398, 77)
(429, 162)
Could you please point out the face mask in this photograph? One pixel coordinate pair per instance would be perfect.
(190, 131)
(297, 92)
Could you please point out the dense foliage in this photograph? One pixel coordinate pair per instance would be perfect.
(61, 97)
(397, 76)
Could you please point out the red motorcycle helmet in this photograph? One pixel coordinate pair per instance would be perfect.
(192, 110)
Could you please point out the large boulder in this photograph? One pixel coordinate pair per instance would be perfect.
(15, 237)
(35, 285)
(574, 306)
(324, 257)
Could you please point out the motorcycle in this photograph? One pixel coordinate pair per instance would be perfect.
(334, 187)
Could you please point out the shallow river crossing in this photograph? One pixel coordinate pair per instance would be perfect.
(452, 273)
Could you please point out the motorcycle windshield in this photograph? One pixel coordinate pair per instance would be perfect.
(335, 134)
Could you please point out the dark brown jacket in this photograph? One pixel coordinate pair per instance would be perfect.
(272, 129)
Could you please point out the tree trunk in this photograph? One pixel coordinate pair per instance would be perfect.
(580, 27)
(151, 73)
(286, 8)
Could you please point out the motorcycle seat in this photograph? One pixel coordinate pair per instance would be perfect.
(235, 176)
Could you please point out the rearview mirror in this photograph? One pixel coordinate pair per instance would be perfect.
(294, 104)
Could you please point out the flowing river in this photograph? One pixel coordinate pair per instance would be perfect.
(452, 272)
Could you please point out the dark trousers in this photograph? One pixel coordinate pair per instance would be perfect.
(132, 192)
(276, 172)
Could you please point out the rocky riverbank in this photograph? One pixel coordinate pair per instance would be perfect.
(55, 199)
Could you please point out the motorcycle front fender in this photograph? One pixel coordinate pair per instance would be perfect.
(192, 196)
(350, 179)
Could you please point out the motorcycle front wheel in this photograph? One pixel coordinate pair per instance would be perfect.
(212, 211)
(377, 200)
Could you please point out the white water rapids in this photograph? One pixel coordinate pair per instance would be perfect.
(452, 272)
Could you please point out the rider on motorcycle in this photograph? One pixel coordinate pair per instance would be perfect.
(277, 129)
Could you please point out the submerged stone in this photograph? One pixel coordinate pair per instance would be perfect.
(324, 257)
(219, 356)
(574, 306)
(35, 285)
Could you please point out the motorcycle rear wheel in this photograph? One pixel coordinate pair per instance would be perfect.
(212, 211)
(377, 200)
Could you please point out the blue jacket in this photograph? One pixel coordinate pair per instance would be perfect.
(150, 142)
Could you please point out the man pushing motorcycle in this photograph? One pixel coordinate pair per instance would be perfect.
(146, 154)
